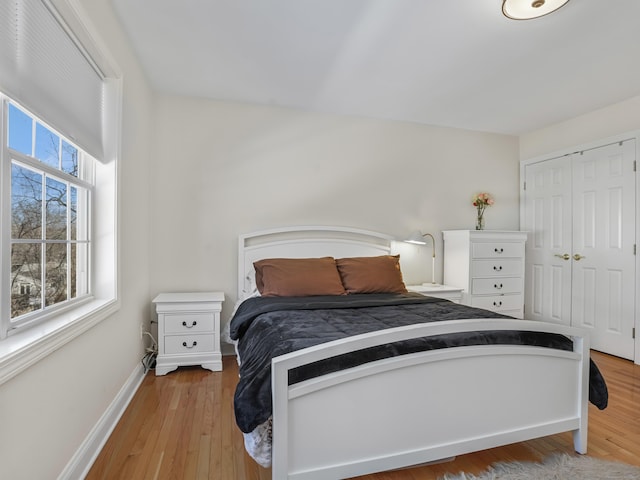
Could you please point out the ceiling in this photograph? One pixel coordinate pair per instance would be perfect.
(455, 63)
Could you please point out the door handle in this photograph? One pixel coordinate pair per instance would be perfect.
(578, 257)
(566, 256)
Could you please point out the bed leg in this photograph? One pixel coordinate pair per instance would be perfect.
(580, 441)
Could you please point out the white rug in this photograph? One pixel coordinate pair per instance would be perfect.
(560, 467)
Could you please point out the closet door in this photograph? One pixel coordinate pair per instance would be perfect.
(580, 213)
(548, 221)
(603, 260)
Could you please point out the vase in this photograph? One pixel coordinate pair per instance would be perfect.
(480, 222)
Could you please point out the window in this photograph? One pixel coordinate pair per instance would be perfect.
(51, 191)
(60, 110)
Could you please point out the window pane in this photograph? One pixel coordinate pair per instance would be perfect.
(25, 278)
(73, 260)
(81, 214)
(79, 269)
(47, 146)
(56, 274)
(20, 129)
(73, 214)
(56, 219)
(26, 203)
(69, 159)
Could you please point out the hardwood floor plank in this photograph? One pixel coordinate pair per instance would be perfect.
(182, 426)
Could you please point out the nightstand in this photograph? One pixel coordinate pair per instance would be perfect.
(188, 330)
(440, 291)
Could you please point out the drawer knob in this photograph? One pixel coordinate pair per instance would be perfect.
(498, 250)
(184, 344)
(497, 304)
(193, 324)
(497, 268)
(497, 286)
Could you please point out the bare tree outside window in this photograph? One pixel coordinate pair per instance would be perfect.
(45, 241)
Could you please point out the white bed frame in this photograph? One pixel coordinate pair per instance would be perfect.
(416, 408)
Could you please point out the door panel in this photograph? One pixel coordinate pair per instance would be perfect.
(604, 236)
(548, 218)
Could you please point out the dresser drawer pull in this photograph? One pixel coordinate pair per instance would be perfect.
(193, 324)
(184, 344)
(498, 250)
(497, 304)
(496, 286)
(498, 268)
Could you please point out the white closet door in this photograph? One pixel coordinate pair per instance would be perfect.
(580, 263)
(603, 261)
(548, 219)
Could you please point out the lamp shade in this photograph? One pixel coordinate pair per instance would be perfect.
(416, 237)
(528, 9)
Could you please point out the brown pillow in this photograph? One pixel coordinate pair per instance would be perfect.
(298, 277)
(371, 274)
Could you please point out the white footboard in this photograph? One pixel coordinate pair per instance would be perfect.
(426, 406)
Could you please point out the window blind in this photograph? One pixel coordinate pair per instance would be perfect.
(43, 67)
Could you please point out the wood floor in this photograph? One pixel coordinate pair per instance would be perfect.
(181, 426)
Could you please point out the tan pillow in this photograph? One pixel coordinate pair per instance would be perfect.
(298, 277)
(371, 274)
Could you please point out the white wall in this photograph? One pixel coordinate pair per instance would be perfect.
(612, 120)
(48, 410)
(222, 169)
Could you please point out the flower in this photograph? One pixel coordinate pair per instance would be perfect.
(482, 200)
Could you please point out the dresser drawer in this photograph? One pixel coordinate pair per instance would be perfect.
(184, 344)
(497, 250)
(497, 267)
(189, 323)
(498, 303)
(498, 285)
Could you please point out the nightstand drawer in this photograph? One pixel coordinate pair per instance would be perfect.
(188, 323)
(497, 267)
(181, 344)
(498, 285)
(497, 250)
(498, 303)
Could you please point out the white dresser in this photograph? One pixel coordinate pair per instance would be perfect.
(488, 266)
(188, 330)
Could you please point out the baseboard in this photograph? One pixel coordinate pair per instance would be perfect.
(83, 459)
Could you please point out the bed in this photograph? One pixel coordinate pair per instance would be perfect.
(354, 382)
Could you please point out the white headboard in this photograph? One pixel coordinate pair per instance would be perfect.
(304, 242)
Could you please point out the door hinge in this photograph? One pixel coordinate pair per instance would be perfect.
(634, 248)
(633, 332)
(524, 187)
(634, 165)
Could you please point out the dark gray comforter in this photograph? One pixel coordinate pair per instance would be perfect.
(266, 327)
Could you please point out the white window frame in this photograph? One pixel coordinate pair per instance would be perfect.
(24, 348)
(85, 180)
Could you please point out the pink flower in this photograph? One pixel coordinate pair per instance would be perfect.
(482, 200)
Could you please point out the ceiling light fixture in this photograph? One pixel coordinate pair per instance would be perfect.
(528, 9)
